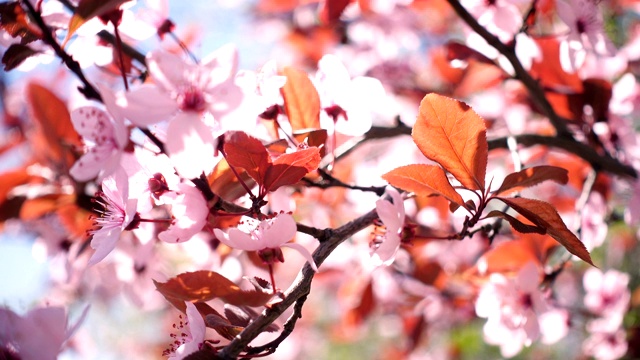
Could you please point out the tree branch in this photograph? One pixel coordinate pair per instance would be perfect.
(599, 161)
(88, 90)
(329, 181)
(299, 289)
(536, 92)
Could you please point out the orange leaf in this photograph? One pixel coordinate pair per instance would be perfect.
(450, 133)
(11, 179)
(301, 100)
(531, 177)
(423, 180)
(205, 285)
(544, 215)
(247, 152)
(511, 256)
(224, 183)
(76, 220)
(35, 208)
(288, 169)
(88, 9)
(355, 316)
(53, 123)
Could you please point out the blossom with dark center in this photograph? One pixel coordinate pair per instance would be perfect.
(266, 237)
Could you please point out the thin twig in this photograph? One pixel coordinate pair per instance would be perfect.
(329, 181)
(287, 329)
(89, 91)
(536, 92)
(300, 288)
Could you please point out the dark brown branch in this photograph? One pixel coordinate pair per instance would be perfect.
(599, 161)
(89, 91)
(329, 181)
(127, 49)
(287, 329)
(299, 289)
(536, 92)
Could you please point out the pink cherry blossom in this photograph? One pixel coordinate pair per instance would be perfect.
(512, 308)
(40, 334)
(586, 33)
(392, 216)
(266, 237)
(150, 176)
(105, 138)
(187, 94)
(263, 88)
(606, 346)
(189, 210)
(500, 17)
(607, 293)
(118, 215)
(192, 338)
(347, 102)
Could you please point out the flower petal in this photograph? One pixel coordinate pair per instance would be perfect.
(190, 146)
(237, 239)
(220, 66)
(385, 254)
(168, 70)
(304, 252)
(148, 105)
(104, 241)
(281, 229)
(190, 211)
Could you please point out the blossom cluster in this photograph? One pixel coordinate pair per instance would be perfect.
(432, 163)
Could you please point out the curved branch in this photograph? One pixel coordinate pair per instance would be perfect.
(299, 289)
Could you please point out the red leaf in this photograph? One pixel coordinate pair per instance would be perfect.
(301, 100)
(247, 152)
(53, 124)
(225, 183)
(315, 138)
(423, 180)
(16, 54)
(597, 94)
(330, 10)
(201, 286)
(544, 215)
(358, 314)
(458, 51)
(450, 133)
(288, 169)
(532, 176)
(15, 22)
(516, 224)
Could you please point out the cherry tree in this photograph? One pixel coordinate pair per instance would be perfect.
(455, 176)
